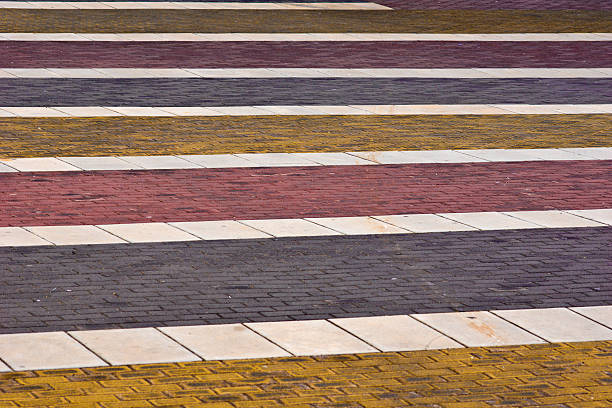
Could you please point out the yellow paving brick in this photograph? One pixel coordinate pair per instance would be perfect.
(40, 137)
(564, 379)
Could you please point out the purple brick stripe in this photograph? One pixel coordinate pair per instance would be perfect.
(267, 54)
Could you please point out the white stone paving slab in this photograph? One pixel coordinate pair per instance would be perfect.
(220, 161)
(311, 337)
(599, 153)
(87, 111)
(395, 333)
(557, 324)
(289, 228)
(334, 159)
(39, 351)
(529, 109)
(478, 329)
(160, 162)
(148, 232)
(277, 159)
(31, 73)
(241, 110)
(489, 220)
(15, 236)
(75, 235)
(601, 314)
(190, 111)
(224, 342)
(34, 111)
(554, 154)
(288, 110)
(99, 163)
(6, 169)
(500, 155)
(210, 230)
(133, 346)
(233, 72)
(600, 215)
(78, 73)
(139, 111)
(592, 108)
(424, 223)
(358, 225)
(39, 164)
(554, 219)
(4, 367)
(401, 157)
(6, 114)
(337, 110)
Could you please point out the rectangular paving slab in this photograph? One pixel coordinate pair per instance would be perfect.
(601, 314)
(395, 333)
(133, 346)
(557, 324)
(15, 236)
(602, 215)
(75, 235)
(554, 219)
(224, 342)
(358, 225)
(148, 232)
(311, 337)
(39, 351)
(489, 220)
(211, 230)
(290, 228)
(478, 329)
(425, 223)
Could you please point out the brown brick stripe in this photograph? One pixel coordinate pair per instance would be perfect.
(40, 137)
(300, 21)
(552, 375)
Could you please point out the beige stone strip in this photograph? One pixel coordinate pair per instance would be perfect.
(87, 348)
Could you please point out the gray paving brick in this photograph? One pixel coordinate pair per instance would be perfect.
(213, 282)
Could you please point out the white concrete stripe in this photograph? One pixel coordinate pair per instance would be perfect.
(300, 227)
(150, 111)
(304, 37)
(299, 159)
(152, 5)
(32, 351)
(304, 73)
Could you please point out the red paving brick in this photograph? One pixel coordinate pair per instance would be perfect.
(293, 192)
(362, 54)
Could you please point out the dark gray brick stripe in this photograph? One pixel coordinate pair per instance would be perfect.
(208, 282)
(298, 91)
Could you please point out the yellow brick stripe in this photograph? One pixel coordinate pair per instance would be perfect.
(47, 137)
(565, 374)
(305, 21)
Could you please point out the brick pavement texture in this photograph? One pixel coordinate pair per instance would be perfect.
(496, 4)
(306, 21)
(309, 54)
(212, 282)
(301, 91)
(45, 137)
(557, 375)
(106, 197)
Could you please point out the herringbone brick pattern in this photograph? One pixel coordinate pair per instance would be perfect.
(553, 376)
(306, 21)
(44, 137)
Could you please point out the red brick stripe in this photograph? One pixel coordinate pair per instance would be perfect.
(400, 54)
(211, 194)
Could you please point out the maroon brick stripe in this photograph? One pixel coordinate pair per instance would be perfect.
(498, 4)
(366, 54)
(211, 194)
